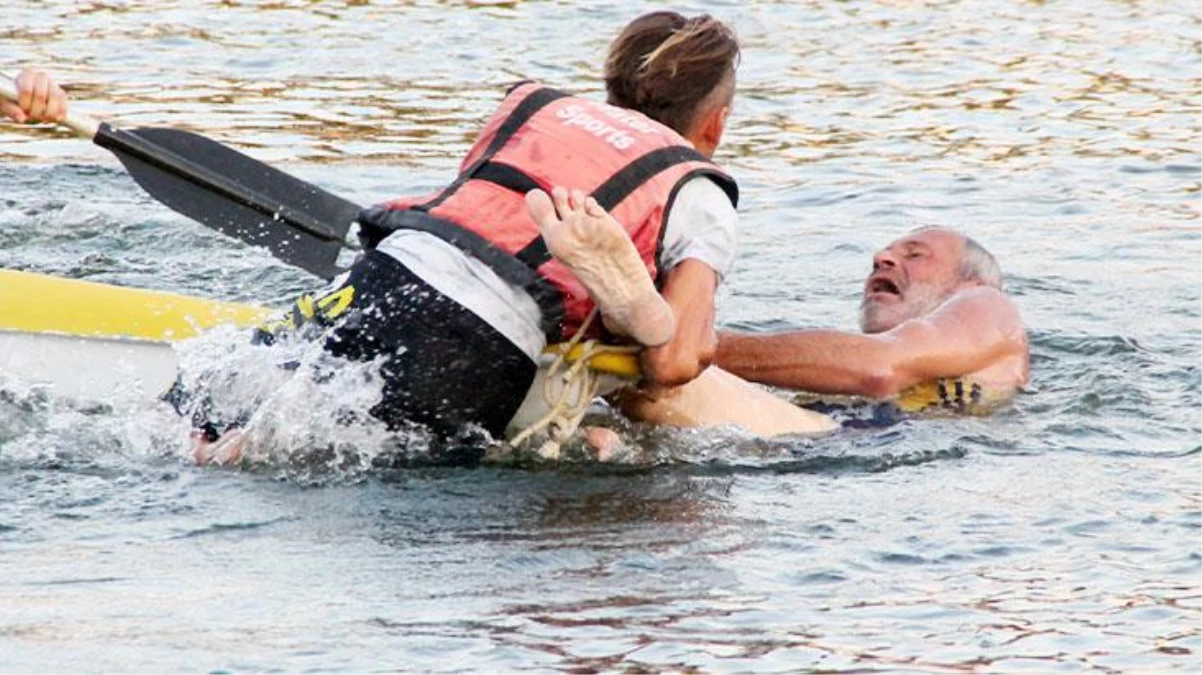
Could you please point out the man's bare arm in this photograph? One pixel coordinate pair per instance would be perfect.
(974, 330)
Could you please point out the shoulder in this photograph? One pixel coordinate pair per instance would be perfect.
(701, 224)
(981, 304)
(698, 206)
(977, 315)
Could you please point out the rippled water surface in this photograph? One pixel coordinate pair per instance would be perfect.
(1059, 535)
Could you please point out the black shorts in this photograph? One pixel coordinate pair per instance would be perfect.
(445, 367)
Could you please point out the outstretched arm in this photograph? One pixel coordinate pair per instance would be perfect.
(977, 328)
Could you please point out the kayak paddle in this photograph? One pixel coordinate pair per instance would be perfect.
(226, 190)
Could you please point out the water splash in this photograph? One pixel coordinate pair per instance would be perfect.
(304, 413)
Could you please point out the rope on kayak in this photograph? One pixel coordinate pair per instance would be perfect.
(579, 385)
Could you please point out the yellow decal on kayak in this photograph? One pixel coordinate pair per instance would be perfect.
(334, 304)
(304, 305)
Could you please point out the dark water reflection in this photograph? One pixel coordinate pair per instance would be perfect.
(1061, 534)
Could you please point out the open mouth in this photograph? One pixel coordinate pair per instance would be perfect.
(882, 285)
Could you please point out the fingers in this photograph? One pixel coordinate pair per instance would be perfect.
(40, 96)
(56, 111)
(39, 99)
(24, 90)
(12, 111)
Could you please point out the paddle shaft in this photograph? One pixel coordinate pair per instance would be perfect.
(116, 140)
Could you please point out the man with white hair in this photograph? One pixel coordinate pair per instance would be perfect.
(938, 333)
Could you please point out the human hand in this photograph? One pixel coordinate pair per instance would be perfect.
(39, 99)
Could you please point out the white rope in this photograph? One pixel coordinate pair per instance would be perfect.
(579, 385)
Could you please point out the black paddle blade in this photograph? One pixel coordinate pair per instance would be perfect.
(239, 196)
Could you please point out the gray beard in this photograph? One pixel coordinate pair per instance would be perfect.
(920, 300)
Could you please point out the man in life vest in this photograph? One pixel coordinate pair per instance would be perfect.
(939, 333)
(459, 292)
(462, 290)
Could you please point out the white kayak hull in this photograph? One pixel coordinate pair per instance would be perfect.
(87, 368)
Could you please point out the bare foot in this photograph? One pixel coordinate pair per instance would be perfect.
(225, 451)
(595, 247)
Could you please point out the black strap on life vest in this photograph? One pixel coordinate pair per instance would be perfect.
(530, 105)
(623, 183)
(506, 176)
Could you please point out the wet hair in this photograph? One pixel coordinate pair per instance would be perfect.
(667, 66)
(978, 264)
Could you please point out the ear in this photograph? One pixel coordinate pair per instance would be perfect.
(710, 128)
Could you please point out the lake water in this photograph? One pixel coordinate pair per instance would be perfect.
(1061, 534)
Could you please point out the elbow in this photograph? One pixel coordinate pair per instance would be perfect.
(882, 382)
(673, 368)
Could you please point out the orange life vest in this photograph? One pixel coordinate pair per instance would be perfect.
(539, 138)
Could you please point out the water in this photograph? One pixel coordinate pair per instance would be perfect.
(1059, 535)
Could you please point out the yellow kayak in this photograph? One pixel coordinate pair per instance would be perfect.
(95, 341)
(39, 303)
(91, 340)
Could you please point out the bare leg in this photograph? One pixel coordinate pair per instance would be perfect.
(595, 247)
(716, 398)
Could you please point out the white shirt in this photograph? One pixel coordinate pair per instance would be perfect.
(702, 225)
